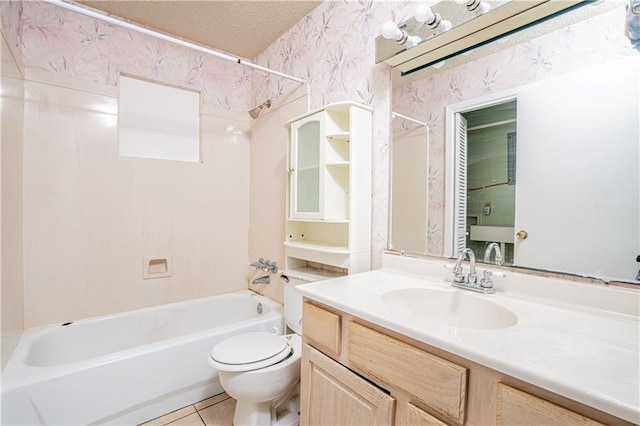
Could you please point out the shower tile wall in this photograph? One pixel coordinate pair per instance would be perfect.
(11, 264)
(268, 181)
(90, 215)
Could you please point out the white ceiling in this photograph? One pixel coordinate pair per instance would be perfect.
(243, 28)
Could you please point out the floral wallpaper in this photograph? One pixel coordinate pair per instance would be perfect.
(59, 41)
(333, 49)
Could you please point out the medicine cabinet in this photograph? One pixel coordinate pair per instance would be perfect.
(329, 188)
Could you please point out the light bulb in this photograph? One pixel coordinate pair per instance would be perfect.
(390, 31)
(424, 13)
(477, 6)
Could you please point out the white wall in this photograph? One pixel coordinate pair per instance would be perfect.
(268, 174)
(11, 260)
(91, 216)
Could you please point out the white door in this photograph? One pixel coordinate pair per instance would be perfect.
(577, 172)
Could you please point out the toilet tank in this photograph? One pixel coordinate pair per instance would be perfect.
(293, 299)
(293, 304)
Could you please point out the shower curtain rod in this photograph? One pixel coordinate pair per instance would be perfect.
(413, 120)
(137, 28)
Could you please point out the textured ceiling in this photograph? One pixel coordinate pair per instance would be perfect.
(243, 28)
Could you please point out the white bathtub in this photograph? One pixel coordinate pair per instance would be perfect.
(126, 368)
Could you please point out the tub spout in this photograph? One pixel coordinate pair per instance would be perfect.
(265, 279)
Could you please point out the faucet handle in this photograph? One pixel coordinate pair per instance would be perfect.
(486, 281)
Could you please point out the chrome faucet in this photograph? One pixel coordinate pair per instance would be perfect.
(267, 266)
(470, 281)
(487, 254)
(458, 276)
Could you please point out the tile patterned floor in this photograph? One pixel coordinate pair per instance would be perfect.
(215, 411)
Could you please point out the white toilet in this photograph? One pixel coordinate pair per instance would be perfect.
(261, 370)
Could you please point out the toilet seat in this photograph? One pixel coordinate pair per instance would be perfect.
(250, 351)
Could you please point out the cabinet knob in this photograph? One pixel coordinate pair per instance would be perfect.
(522, 235)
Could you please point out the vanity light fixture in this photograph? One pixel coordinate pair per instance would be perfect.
(424, 15)
(478, 7)
(391, 31)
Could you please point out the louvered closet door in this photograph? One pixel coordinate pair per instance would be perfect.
(577, 171)
(460, 210)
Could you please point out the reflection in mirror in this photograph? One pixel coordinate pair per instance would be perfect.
(491, 179)
(409, 191)
(565, 172)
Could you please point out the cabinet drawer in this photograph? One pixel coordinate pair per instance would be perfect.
(418, 417)
(516, 407)
(440, 384)
(322, 326)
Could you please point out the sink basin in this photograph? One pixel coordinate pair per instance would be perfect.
(454, 308)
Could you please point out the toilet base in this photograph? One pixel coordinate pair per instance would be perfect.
(284, 411)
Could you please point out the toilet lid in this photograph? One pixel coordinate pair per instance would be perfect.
(250, 348)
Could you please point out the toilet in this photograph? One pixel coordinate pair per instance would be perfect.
(261, 370)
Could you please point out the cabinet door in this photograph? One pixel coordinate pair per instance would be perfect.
(306, 167)
(333, 395)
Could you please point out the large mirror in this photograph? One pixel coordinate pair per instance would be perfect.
(534, 147)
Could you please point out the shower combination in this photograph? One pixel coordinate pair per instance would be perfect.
(255, 113)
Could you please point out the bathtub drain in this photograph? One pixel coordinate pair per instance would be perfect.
(259, 308)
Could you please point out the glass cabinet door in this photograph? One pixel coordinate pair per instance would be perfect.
(306, 188)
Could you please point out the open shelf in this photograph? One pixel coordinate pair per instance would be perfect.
(318, 246)
(327, 221)
(341, 136)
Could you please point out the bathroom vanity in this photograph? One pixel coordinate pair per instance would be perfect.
(402, 347)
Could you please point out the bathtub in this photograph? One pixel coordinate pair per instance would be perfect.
(127, 368)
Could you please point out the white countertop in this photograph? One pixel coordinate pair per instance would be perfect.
(585, 354)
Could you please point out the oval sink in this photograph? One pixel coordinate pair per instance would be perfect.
(454, 308)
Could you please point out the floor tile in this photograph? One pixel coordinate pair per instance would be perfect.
(210, 401)
(172, 416)
(190, 420)
(220, 414)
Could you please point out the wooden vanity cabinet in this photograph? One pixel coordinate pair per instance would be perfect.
(357, 373)
(338, 350)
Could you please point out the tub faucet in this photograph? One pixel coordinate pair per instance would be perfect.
(487, 254)
(265, 265)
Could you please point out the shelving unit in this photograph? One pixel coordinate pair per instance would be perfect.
(329, 188)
